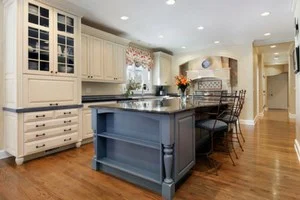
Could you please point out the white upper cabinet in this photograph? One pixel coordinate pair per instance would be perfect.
(103, 60)
(108, 57)
(162, 69)
(50, 41)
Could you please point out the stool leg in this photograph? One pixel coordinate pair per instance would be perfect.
(237, 135)
(231, 140)
(228, 149)
(241, 131)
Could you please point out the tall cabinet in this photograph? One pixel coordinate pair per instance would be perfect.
(42, 110)
(162, 69)
(103, 56)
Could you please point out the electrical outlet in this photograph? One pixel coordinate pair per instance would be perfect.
(88, 90)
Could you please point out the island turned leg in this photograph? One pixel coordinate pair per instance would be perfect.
(168, 185)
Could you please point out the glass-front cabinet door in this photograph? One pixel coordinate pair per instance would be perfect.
(65, 49)
(39, 39)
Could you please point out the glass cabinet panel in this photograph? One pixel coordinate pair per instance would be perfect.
(38, 39)
(65, 54)
(65, 23)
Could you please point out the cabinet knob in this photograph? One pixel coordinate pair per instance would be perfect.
(51, 72)
(67, 139)
(55, 72)
(91, 76)
(40, 146)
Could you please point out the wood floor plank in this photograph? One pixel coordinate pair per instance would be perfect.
(268, 169)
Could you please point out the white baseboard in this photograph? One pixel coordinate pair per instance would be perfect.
(292, 116)
(4, 154)
(297, 149)
(262, 114)
(247, 122)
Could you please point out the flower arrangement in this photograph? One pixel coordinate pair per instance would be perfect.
(131, 85)
(182, 82)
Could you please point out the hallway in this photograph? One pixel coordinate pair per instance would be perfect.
(268, 169)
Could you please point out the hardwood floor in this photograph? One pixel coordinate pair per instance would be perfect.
(268, 169)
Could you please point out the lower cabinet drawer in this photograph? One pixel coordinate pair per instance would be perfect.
(66, 113)
(43, 145)
(43, 125)
(38, 116)
(43, 134)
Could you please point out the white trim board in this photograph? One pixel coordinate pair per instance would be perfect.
(4, 154)
(292, 116)
(247, 122)
(297, 149)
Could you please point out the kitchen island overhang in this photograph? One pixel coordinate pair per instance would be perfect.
(148, 143)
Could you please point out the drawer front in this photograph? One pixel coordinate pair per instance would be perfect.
(66, 113)
(38, 116)
(42, 145)
(43, 134)
(43, 125)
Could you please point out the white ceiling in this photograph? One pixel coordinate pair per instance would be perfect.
(281, 50)
(232, 22)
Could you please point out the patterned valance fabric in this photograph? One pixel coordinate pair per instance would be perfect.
(139, 57)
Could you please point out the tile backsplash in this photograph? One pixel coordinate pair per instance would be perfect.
(90, 88)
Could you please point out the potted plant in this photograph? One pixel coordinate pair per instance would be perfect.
(182, 83)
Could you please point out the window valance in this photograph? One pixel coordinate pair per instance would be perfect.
(139, 57)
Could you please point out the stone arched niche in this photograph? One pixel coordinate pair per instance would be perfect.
(218, 67)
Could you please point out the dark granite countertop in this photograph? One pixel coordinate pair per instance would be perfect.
(103, 98)
(166, 106)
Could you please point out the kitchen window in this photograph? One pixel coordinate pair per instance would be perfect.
(140, 75)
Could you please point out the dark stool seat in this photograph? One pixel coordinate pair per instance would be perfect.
(212, 125)
(229, 118)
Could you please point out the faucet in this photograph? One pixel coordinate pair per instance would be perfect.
(143, 89)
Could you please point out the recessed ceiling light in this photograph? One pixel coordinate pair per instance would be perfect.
(170, 2)
(264, 14)
(273, 46)
(267, 34)
(161, 36)
(276, 58)
(183, 47)
(124, 18)
(217, 42)
(200, 28)
(276, 53)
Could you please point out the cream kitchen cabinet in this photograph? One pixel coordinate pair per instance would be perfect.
(103, 56)
(40, 68)
(92, 58)
(162, 69)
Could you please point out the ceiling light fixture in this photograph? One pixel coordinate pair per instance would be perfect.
(183, 47)
(217, 42)
(273, 46)
(276, 58)
(264, 14)
(267, 34)
(124, 18)
(170, 2)
(161, 36)
(200, 28)
(276, 53)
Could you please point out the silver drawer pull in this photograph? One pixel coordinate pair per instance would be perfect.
(67, 139)
(40, 135)
(65, 130)
(42, 125)
(37, 147)
(39, 116)
(67, 113)
(68, 121)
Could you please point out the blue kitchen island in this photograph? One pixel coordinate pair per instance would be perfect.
(149, 143)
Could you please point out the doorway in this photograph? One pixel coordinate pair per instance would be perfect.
(278, 91)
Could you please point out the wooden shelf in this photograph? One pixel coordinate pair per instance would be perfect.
(142, 173)
(131, 140)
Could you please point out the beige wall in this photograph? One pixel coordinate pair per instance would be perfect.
(242, 53)
(292, 84)
(1, 75)
(255, 81)
(297, 42)
(273, 70)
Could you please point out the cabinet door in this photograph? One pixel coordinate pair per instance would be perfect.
(165, 71)
(120, 63)
(65, 40)
(42, 91)
(87, 131)
(96, 59)
(38, 39)
(84, 56)
(108, 61)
